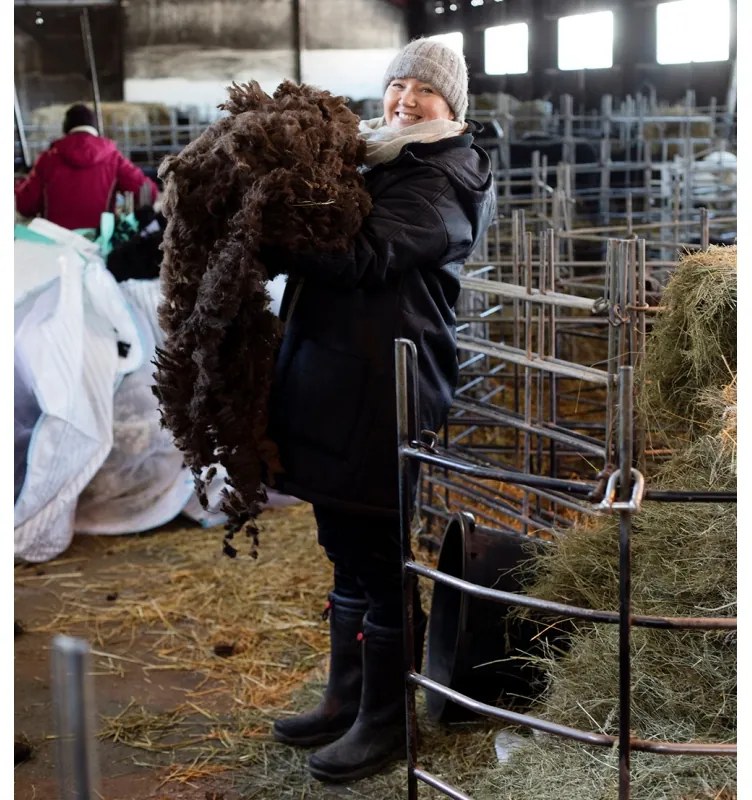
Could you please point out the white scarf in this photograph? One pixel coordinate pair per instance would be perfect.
(384, 143)
(84, 129)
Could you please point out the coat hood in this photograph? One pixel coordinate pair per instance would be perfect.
(468, 169)
(81, 150)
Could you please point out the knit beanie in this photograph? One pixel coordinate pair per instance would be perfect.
(79, 114)
(433, 62)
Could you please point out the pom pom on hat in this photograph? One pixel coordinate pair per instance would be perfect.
(433, 62)
(79, 114)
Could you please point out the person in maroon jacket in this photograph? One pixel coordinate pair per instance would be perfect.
(76, 178)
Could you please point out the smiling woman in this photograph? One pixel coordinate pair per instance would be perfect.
(332, 411)
(425, 78)
(408, 100)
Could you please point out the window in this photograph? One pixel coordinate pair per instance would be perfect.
(506, 49)
(454, 40)
(692, 30)
(586, 41)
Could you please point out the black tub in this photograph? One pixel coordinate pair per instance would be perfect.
(474, 647)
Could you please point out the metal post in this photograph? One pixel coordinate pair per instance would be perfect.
(89, 50)
(625, 579)
(405, 387)
(20, 128)
(72, 694)
(297, 39)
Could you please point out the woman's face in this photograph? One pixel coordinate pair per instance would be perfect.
(408, 101)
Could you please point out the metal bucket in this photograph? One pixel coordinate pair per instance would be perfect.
(473, 645)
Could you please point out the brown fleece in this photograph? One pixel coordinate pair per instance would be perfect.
(280, 171)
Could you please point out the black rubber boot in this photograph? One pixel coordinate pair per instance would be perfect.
(338, 708)
(378, 735)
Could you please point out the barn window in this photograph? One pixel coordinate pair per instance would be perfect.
(506, 49)
(586, 41)
(454, 40)
(692, 30)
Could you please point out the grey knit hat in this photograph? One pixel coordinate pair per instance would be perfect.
(433, 62)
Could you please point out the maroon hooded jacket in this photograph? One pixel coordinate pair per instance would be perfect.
(75, 180)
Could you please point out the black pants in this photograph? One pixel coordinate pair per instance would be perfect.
(366, 554)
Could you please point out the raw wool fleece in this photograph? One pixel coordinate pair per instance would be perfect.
(278, 170)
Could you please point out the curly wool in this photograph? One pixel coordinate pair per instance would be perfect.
(280, 171)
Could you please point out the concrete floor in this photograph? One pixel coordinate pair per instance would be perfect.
(120, 775)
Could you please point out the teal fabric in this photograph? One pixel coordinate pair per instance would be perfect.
(22, 232)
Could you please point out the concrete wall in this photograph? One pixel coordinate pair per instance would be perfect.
(353, 24)
(246, 24)
(50, 63)
(185, 52)
(264, 24)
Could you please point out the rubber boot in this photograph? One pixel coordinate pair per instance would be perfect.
(338, 708)
(378, 735)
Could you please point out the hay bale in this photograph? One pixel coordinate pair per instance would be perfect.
(500, 102)
(683, 682)
(115, 115)
(692, 347)
(688, 121)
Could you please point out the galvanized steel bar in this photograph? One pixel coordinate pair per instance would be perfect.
(91, 61)
(404, 351)
(25, 155)
(577, 612)
(625, 579)
(565, 731)
(74, 713)
(516, 356)
(444, 788)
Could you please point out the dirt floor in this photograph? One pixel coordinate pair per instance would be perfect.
(39, 590)
(192, 656)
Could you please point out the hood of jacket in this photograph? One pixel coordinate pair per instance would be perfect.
(468, 169)
(80, 149)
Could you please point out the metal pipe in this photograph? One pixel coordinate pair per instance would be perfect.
(437, 783)
(404, 350)
(72, 695)
(567, 611)
(517, 356)
(625, 580)
(586, 737)
(90, 60)
(297, 39)
(21, 132)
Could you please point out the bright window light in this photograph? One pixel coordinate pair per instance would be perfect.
(454, 40)
(586, 41)
(506, 49)
(692, 30)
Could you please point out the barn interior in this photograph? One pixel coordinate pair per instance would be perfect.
(582, 629)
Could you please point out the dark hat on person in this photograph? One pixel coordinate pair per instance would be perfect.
(79, 114)
(432, 61)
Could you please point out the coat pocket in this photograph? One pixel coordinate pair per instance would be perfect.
(325, 397)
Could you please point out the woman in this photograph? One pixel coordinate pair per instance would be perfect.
(333, 403)
(76, 178)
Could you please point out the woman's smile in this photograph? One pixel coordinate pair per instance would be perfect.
(408, 101)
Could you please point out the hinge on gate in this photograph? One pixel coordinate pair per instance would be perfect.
(428, 441)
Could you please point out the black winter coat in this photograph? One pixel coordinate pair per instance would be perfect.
(333, 409)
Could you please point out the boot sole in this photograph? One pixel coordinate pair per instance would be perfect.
(357, 773)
